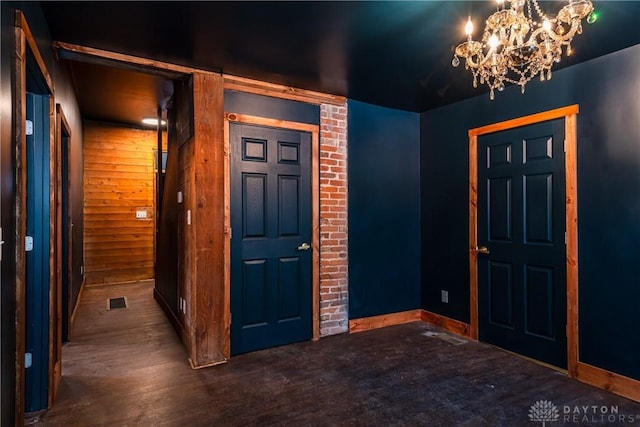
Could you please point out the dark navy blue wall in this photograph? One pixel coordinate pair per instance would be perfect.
(607, 90)
(273, 108)
(384, 210)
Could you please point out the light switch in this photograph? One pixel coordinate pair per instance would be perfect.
(141, 214)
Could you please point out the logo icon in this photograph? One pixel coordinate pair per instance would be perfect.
(544, 411)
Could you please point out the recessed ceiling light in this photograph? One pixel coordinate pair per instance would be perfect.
(153, 121)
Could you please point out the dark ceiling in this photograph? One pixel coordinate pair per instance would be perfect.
(390, 53)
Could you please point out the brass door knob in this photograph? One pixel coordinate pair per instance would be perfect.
(483, 250)
(304, 247)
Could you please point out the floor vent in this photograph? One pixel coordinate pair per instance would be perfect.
(116, 303)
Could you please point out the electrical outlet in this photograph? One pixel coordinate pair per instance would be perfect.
(444, 296)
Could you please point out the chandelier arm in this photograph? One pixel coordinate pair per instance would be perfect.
(471, 63)
(485, 59)
(561, 38)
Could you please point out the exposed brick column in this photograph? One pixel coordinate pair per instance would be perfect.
(334, 276)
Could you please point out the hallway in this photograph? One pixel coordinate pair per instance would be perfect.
(126, 367)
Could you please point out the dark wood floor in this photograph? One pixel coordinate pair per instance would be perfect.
(127, 368)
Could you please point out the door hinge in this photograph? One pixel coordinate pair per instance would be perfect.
(230, 232)
(565, 237)
(28, 127)
(230, 318)
(1, 243)
(564, 145)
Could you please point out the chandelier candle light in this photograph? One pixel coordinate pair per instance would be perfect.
(516, 47)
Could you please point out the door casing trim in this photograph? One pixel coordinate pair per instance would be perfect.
(314, 130)
(569, 114)
(26, 43)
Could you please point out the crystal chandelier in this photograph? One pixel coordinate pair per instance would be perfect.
(520, 42)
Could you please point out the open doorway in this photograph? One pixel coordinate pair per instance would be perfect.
(119, 169)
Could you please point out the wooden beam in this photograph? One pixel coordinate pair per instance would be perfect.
(525, 120)
(209, 315)
(384, 320)
(451, 325)
(88, 54)
(242, 84)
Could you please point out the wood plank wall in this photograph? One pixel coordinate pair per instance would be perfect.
(119, 179)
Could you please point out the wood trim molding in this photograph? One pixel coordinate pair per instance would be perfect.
(315, 233)
(227, 234)
(276, 123)
(56, 121)
(280, 91)
(473, 235)
(525, 120)
(571, 227)
(383, 320)
(569, 114)
(451, 325)
(314, 130)
(610, 381)
(21, 22)
(19, 116)
(74, 314)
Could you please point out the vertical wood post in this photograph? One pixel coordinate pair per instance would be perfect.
(209, 314)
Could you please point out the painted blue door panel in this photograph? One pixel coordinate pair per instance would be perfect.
(37, 260)
(270, 218)
(521, 220)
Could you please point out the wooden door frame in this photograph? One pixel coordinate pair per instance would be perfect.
(569, 114)
(25, 43)
(62, 130)
(314, 130)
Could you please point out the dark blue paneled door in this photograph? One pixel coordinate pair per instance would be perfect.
(37, 256)
(521, 223)
(271, 301)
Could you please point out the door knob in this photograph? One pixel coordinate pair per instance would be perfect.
(304, 247)
(482, 250)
